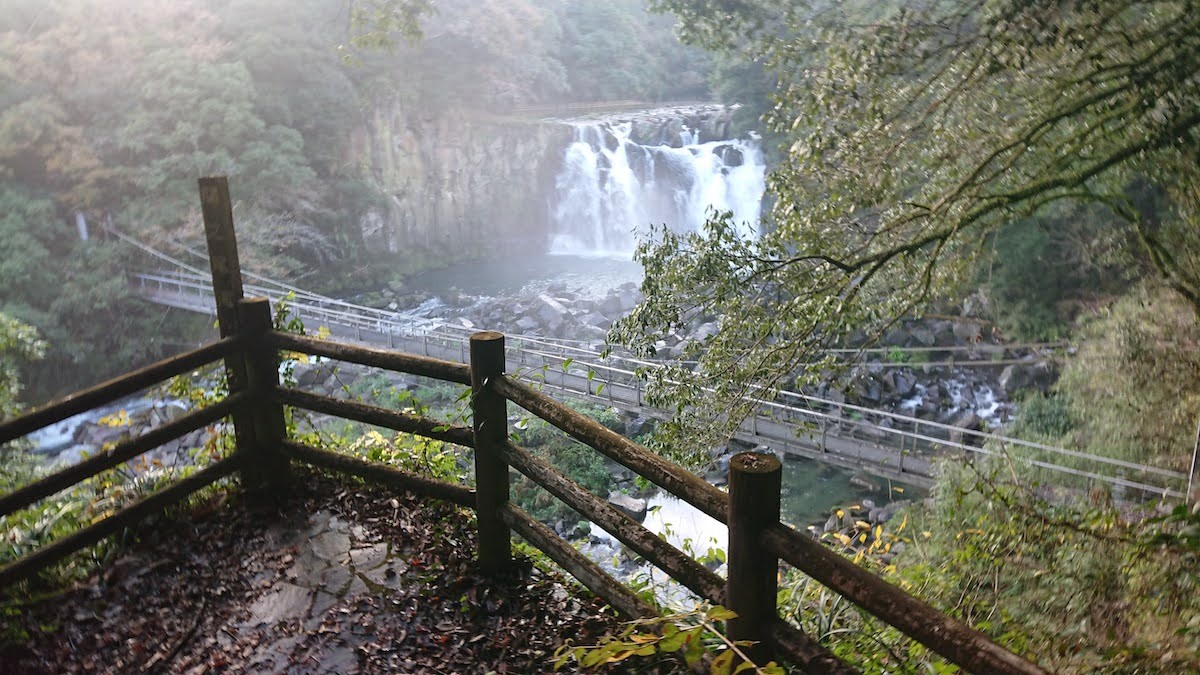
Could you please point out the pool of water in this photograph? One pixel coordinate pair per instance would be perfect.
(810, 491)
(587, 276)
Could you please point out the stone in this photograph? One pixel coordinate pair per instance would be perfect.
(629, 299)
(313, 375)
(1033, 375)
(597, 320)
(865, 482)
(968, 421)
(283, 602)
(904, 382)
(610, 305)
(638, 425)
(967, 331)
(551, 312)
(922, 335)
(631, 506)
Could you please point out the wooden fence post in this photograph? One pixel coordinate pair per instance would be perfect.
(217, 208)
(221, 239)
(489, 417)
(753, 580)
(265, 469)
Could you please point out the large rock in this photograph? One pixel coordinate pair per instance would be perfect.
(968, 331)
(629, 299)
(597, 320)
(1033, 375)
(905, 382)
(610, 305)
(631, 506)
(968, 421)
(551, 312)
(922, 335)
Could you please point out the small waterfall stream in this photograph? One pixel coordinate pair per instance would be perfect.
(610, 187)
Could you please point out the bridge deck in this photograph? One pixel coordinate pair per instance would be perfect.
(849, 436)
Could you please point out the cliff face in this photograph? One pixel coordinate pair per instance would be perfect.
(459, 185)
(456, 185)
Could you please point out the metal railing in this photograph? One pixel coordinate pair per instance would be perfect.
(889, 444)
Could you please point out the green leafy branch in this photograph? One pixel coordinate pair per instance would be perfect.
(695, 635)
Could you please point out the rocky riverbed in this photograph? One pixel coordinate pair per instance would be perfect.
(947, 368)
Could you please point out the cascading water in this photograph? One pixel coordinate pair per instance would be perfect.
(610, 188)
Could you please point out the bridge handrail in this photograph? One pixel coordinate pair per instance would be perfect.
(1006, 440)
(383, 320)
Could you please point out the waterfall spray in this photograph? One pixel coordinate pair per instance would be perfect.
(610, 188)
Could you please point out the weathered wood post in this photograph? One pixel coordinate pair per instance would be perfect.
(217, 209)
(222, 251)
(753, 581)
(489, 417)
(265, 469)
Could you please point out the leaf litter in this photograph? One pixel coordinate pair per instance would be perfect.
(341, 578)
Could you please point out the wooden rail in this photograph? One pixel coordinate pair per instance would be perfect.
(757, 540)
(114, 389)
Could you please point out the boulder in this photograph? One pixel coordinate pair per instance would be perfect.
(904, 382)
(309, 376)
(610, 305)
(896, 337)
(943, 331)
(551, 312)
(631, 506)
(638, 425)
(968, 421)
(923, 335)
(865, 482)
(597, 320)
(629, 299)
(967, 331)
(1033, 375)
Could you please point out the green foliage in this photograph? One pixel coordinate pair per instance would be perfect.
(690, 635)
(111, 117)
(1080, 588)
(1131, 385)
(914, 133)
(1048, 418)
(19, 344)
(418, 454)
(575, 460)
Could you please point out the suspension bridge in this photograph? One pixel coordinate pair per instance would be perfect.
(883, 443)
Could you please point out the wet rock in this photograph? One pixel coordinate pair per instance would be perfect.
(551, 312)
(597, 320)
(629, 299)
(610, 305)
(904, 382)
(864, 482)
(631, 506)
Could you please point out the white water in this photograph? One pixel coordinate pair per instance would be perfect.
(610, 188)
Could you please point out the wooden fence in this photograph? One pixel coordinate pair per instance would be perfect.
(264, 453)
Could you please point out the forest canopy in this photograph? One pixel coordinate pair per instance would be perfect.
(913, 135)
(108, 117)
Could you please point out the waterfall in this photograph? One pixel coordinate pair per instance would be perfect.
(609, 188)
